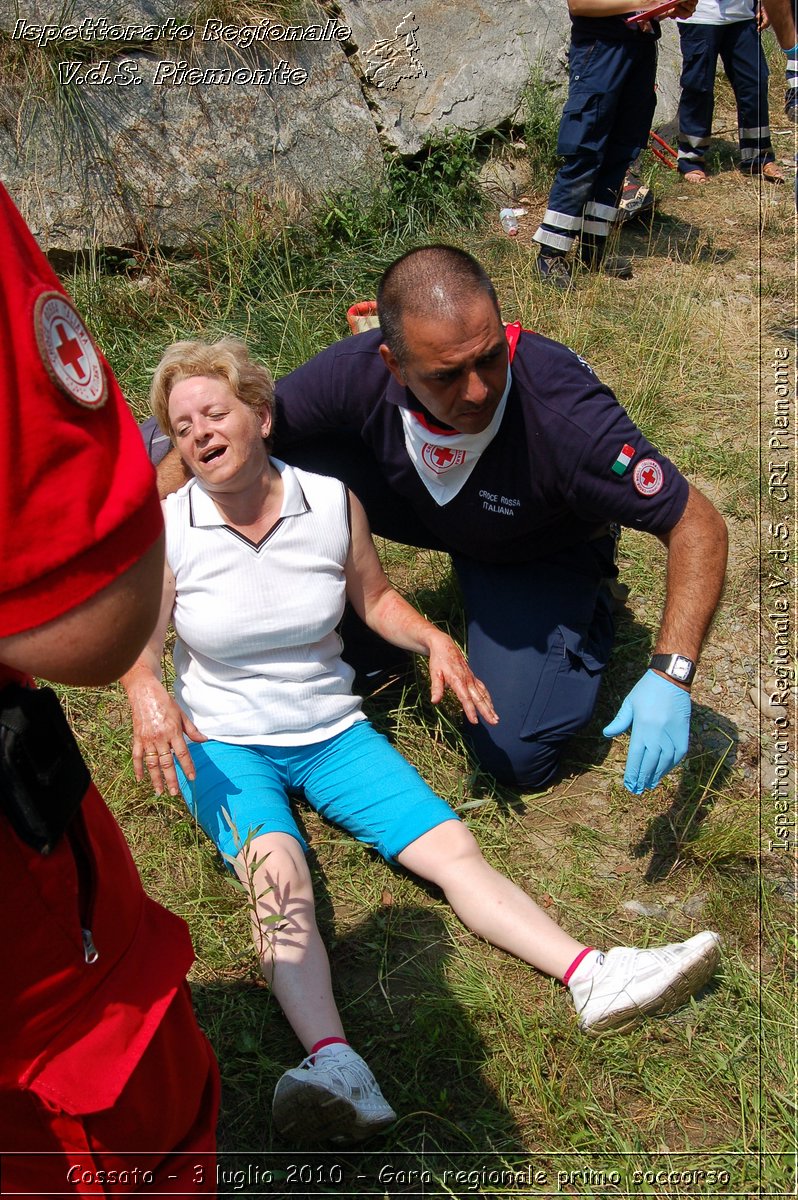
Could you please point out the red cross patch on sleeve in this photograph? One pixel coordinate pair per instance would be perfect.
(67, 351)
(648, 477)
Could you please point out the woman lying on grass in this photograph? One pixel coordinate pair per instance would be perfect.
(261, 559)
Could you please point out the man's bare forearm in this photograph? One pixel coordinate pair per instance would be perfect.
(614, 8)
(781, 14)
(93, 643)
(172, 473)
(697, 551)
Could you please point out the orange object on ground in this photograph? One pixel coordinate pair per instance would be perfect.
(666, 154)
(363, 316)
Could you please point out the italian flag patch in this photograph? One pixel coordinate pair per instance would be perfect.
(624, 458)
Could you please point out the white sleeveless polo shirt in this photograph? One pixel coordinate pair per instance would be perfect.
(257, 658)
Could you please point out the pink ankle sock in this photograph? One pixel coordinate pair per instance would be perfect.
(332, 1044)
(583, 966)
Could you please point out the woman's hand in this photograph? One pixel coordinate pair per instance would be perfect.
(159, 727)
(448, 668)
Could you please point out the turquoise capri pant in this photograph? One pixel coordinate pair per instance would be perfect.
(355, 780)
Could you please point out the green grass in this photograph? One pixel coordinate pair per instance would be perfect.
(478, 1053)
(541, 107)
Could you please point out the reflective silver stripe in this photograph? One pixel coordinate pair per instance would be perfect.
(600, 228)
(747, 153)
(689, 140)
(605, 211)
(687, 156)
(756, 135)
(556, 240)
(560, 220)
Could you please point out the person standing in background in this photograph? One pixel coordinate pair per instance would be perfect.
(605, 124)
(729, 29)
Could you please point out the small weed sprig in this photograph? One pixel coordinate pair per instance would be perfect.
(246, 882)
(541, 108)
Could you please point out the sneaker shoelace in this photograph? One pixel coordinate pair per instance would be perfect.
(351, 1074)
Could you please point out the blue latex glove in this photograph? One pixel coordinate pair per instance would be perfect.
(659, 714)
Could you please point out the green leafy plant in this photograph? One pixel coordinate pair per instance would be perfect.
(541, 109)
(246, 883)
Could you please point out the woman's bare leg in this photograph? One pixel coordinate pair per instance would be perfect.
(488, 903)
(293, 959)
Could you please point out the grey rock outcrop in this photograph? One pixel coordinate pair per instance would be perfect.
(160, 138)
(440, 64)
(112, 136)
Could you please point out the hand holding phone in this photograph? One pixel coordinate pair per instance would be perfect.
(648, 14)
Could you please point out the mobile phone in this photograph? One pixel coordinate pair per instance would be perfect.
(659, 10)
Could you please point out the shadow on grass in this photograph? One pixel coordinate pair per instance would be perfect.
(714, 746)
(390, 978)
(703, 776)
(664, 234)
(668, 236)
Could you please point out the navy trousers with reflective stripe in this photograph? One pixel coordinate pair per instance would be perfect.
(740, 51)
(604, 126)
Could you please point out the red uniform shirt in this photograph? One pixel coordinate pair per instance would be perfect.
(77, 508)
(77, 502)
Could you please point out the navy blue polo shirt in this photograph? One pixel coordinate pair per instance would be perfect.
(609, 29)
(565, 460)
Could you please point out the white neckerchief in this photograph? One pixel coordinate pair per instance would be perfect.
(444, 461)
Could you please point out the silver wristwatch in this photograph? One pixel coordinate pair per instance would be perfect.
(676, 666)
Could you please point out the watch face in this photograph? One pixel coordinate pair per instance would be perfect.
(681, 667)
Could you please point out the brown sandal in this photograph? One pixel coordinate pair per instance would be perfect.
(772, 173)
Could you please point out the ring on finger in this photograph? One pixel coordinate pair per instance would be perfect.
(166, 756)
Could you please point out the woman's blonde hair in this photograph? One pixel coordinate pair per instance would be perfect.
(227, 359)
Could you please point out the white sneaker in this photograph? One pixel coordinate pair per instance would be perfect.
(334, 1099)
(631, 984)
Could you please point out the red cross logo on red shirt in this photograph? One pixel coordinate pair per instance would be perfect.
(69, 351)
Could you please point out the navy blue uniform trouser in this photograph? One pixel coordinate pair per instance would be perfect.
(740, 51)
(539, 634)
(604, 126)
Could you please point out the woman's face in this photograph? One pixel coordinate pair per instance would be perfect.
(219, 437)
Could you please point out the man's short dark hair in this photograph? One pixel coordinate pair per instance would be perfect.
(430, 281)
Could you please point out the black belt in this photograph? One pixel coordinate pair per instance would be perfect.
(43, 777)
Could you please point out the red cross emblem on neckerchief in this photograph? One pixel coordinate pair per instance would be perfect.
(441, 458)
